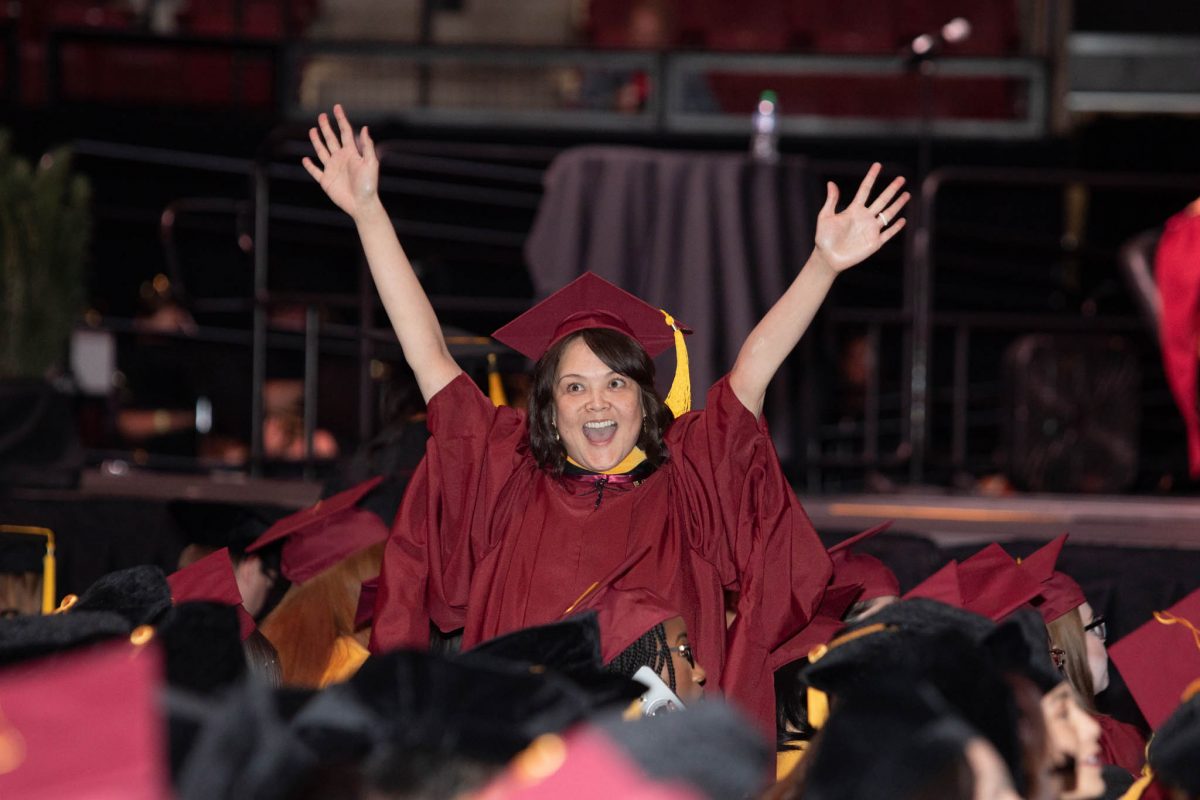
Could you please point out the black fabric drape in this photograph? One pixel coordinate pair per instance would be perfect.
(714, 239)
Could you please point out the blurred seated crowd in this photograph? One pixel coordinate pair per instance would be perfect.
(246, 673)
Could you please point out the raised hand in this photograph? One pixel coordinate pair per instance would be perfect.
(854, 234)
(349, 171)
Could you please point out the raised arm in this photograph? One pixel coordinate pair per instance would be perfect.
(349, 174)
(843, 240)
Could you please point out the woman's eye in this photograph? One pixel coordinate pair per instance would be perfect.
(574, 387)
(616, 383)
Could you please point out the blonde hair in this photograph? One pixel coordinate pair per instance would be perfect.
(1066, 633)
(307, 623)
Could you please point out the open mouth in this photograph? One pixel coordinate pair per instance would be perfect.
(600, 432)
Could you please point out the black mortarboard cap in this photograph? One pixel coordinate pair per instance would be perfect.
(140, 594)
(709, 748)
(246, 749)
(569, 647)
(26, 637)
(20, 554)
(1174, 752)
(884, 643)
(488, 712)
(203, 646)
(216, 524)
(1021, 644)
(887, 739)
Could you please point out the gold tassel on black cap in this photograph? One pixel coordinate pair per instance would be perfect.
(49, 566)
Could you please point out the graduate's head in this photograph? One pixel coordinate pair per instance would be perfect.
(593, 401)
(593, 397)
(666, 650)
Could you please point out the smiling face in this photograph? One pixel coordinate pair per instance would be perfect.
(1073, 737)
(597, 411)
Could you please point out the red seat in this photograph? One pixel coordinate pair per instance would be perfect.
(863, 27)
(748, 25)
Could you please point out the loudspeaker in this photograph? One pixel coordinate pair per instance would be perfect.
(1071, 413)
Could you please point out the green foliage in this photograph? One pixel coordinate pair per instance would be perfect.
(45, 228)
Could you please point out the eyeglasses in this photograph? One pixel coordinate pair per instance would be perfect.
(685, 652)
(1059, 657)
(1098, 627)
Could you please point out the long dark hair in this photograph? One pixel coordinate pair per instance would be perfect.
(621, 354)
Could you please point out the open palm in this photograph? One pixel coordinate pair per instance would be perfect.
(349, 171)
(854, 234)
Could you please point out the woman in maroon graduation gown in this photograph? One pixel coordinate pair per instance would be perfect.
(510, 519)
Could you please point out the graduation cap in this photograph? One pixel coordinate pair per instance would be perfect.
(140, 594)
(1160, 661)
(27, 548)
(624, 616)
(212, 579)
(202, 644)
(246, 748)
(322, 535)
(1021, 644)
(1059, 592)
(942, 586)
(850, 567)
(592, 302)
(216, 524)
(884, 643)
(569, 647)
(993, 585)
(989, 583)
(584, 765)
(886, 739)
(84, 726)
(1174, 752)
(27, 637)
(712, 749)
(407, 700)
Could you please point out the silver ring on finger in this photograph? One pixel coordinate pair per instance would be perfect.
(883, 219)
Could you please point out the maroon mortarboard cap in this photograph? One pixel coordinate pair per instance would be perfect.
(824, 625)
(993, 585)
(584, 765)
(871, 573)
(211, 580)
(1160, 661)
(624, 615)
(320, 536)
(588, 302)
(942, 586)
(1059, 592)
(84, 726)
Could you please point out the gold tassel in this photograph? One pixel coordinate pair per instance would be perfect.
(49, 569)
(1140, 786)
(49, 578)
(818, 708)
(679, 399)
(495, 384)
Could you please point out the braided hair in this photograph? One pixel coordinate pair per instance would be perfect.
(650, 650)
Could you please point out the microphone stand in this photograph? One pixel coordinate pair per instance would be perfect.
(919, 284)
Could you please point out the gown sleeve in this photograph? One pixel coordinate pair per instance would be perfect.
(441, 528)
(746, 521)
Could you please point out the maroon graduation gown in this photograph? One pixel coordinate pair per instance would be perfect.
(1177, 273)
(487, 541)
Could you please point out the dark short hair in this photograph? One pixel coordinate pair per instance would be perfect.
(621, 354)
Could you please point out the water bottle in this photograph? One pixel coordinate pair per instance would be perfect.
(764, 141)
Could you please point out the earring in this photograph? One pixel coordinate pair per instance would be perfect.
(556, 435)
